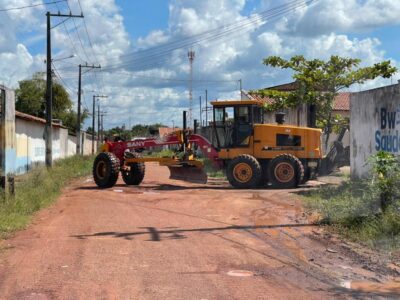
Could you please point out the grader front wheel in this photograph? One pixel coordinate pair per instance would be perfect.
(105, 169)
(135, 174)
(244, 172)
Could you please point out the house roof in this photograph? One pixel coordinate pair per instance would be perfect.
(237, 102)
(31, 118)
(340, 103)
(286, 87)
(163, 131)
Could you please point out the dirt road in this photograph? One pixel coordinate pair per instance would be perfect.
(171, 240)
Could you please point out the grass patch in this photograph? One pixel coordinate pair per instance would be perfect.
(39, 189)
(353, 209)
(211, 170)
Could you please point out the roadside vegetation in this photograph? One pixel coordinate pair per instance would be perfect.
(366, 211)
(39, 189)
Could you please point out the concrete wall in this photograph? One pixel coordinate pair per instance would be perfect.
(31, 144)
(87, 143)
(294, 116)
(375, 125)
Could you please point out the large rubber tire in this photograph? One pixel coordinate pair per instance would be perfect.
(105, 169)
(137, 170)
(285, 171)
(244, 172)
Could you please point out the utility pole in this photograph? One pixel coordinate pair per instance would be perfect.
(78, 121)
(102, 124)
(206, 108)
(49, 87)
(240, 87)
(94, 116)
(191, 56)
(98, 121)
(201, 124)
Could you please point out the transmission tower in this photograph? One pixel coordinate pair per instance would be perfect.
(191, 55)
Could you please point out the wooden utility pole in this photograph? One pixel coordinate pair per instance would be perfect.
(206, 108)
(93, 119)
(201, 124)
(191, 56)
(98, 121)
(48, 133)
(78, 121)
(102, 124)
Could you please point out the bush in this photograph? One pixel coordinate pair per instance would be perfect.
(39, 189)
(385, 178)
(366, 211)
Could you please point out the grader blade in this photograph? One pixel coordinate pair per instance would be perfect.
(191, 174)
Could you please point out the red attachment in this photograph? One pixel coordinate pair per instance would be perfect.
(118, 148)
(206, 148)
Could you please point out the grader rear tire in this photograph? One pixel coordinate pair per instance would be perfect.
(105, 170)
(136, 173)
(285, 171)
(244, 172)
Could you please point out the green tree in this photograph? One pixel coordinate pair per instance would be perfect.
(30, 97)
(89, 130)
(145, 130)
(320, 81)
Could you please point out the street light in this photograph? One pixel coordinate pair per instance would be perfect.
(61, 58)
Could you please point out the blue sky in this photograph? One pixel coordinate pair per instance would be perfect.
(152, 86)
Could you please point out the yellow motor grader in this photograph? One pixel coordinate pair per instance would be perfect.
(250, 152)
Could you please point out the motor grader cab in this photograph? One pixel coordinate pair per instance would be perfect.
(255, 154)
(251, 153)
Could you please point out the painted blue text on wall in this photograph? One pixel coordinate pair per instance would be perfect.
(387, 137)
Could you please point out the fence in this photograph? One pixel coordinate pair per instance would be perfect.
(31, 147)
(22, 139)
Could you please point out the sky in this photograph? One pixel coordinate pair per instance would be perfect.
(142, 48)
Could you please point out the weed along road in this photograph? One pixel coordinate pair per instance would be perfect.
(167, 239)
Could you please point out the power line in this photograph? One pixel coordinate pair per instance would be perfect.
(61, 79)
(69, 36)
(141, 57)
(31, 6)
(92, 48)
(79, 37)
(70, 75)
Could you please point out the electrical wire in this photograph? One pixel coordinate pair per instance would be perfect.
(69, 37)
(78, 35)
(31, 6)
(92, 48)
(61, 79)
(142, 57)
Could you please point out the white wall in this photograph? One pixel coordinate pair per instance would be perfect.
(31, 148)
(375, 125)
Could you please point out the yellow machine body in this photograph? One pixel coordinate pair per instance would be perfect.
(263, 143)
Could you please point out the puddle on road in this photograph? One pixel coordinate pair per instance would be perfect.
(240, 273)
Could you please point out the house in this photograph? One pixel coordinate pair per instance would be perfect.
(299, 115)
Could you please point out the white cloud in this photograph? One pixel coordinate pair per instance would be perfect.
(350, 16)
(135, 86)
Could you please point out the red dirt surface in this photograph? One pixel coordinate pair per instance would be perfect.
(167, 239)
